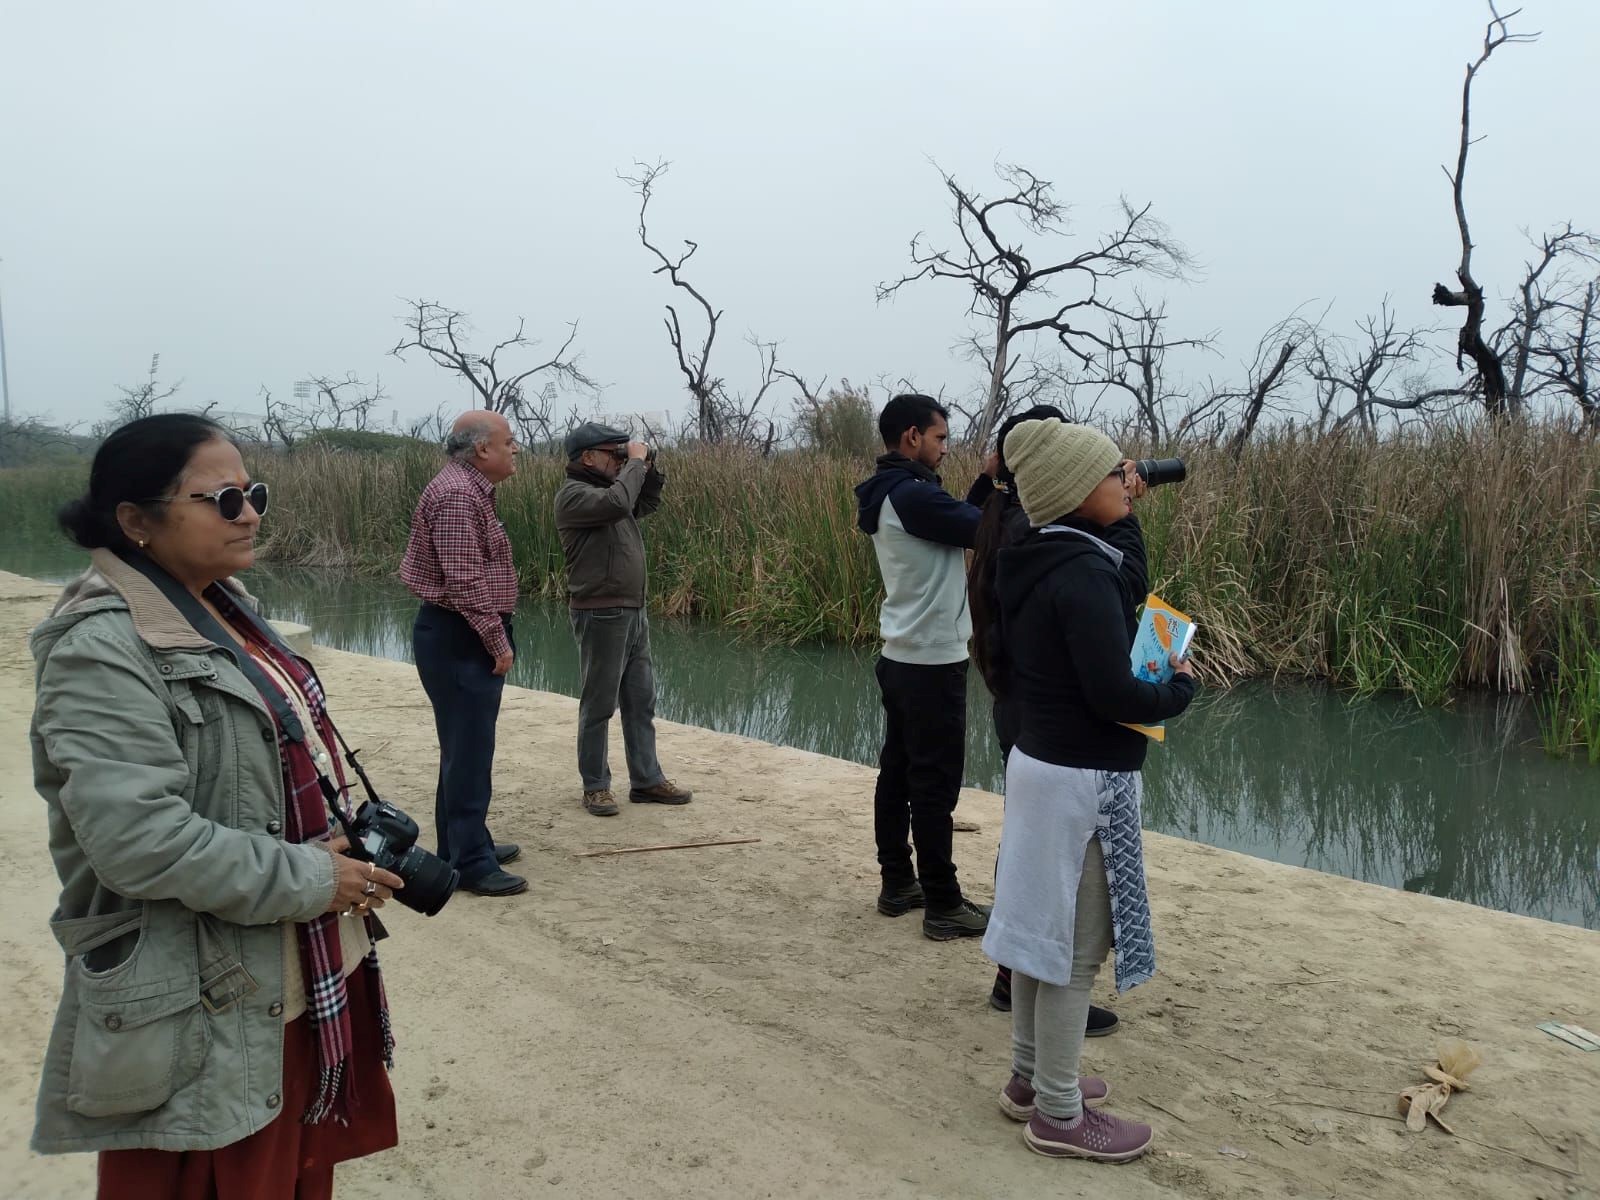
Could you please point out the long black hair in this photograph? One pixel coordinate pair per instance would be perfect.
(140, 461)
(994, 534)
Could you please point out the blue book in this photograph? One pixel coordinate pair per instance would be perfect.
(1163, 631)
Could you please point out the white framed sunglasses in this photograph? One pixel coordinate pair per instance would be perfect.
(229, 500)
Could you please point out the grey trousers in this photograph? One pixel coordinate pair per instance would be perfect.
(1047, 1020)
(615, 671)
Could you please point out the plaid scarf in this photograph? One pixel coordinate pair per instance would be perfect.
(322, 965)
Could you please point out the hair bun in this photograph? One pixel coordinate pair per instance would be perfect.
(83, 525)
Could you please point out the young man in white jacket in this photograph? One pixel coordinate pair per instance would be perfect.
(920, 532)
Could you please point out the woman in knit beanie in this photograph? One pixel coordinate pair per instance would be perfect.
(1004, 523)
(1071, 883)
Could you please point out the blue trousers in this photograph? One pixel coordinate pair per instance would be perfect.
(458, 675)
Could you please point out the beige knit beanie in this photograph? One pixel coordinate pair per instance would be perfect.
(1057, 465)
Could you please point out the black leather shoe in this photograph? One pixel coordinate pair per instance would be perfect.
(898, 900)
(497, 883)
(506, 852)
(1101, 1022)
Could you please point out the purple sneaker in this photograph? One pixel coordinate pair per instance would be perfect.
(1096, 1135)
(1016, 1098)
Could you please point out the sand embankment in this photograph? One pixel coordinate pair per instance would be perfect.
(739, 1022)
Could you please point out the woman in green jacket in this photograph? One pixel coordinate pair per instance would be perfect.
(223, 1029)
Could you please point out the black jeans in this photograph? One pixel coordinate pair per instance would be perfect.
(919, 774)
(458, 675)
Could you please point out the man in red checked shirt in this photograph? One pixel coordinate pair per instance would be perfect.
(458, 562)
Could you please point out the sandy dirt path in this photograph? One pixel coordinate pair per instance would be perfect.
(739, 1022)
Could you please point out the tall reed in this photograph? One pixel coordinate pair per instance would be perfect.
(1460, 556)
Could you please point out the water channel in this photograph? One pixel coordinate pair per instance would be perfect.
(1458, 802)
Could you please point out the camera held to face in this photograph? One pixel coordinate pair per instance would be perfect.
(1157, 471)
(387, 837)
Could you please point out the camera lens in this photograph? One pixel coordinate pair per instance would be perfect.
(430, 881)
(1157, 471)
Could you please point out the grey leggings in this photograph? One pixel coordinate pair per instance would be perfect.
(1047, 1020)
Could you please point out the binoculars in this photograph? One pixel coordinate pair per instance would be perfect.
(1156, 471)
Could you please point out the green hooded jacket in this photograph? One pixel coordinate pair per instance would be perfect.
(159, 764)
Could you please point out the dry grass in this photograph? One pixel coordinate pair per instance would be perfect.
(1463, 556)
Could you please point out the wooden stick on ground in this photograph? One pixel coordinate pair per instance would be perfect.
(668, 846)
(1165, 1109)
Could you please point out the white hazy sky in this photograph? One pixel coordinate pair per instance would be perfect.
(252, 189)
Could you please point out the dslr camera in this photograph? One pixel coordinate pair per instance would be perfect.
(385, 836)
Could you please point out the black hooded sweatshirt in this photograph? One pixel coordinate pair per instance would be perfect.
(1068, 618)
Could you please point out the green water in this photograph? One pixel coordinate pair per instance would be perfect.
(1457, 802)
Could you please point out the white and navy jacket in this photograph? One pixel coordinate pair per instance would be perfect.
(919, 532)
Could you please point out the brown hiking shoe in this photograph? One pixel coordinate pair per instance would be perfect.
(600, 804)
(665, 792)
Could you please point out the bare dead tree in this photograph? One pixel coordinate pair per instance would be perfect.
(1379, 370)
(1266, 377)
(1571, 363)
(719, 414)
(140, 400)
(25, 441)
(329, 403)
(277, 427)
(993, 265)
(343, 403)
(695, 365)
(432, 428)
(444, 335)
(1135, 365)
(1470, 343)
(1547, 285)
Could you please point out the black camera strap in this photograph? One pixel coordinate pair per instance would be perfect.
(207, 626)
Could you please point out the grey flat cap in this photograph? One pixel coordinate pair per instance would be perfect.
(591, 434)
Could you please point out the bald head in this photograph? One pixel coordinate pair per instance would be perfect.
(483, 439)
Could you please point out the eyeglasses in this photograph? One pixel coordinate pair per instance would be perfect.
(229, 500)
(1121, 474)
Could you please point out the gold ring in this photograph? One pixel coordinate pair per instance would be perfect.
(372, 868)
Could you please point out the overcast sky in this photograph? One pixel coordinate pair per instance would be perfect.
(251, 190)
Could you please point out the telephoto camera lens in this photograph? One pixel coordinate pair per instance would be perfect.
(1157, 471)
(430, 881)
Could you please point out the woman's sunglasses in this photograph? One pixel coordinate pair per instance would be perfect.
(229, 500)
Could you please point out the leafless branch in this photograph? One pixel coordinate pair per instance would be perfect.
(719, 414)
(1002, 279)
(1470, 342)
(443, 334)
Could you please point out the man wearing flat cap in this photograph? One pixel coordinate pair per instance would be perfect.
(611, 482)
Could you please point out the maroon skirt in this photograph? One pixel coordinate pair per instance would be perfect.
(286, 1158)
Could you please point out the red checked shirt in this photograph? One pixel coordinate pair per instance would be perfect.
(459, 557)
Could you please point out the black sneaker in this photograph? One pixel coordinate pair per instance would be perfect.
(1101, 1022)
(897, 901)
(966, 919)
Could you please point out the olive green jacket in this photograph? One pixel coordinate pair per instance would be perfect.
(599, 530)
(159, 764)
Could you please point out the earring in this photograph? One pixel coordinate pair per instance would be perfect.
(143, 543)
